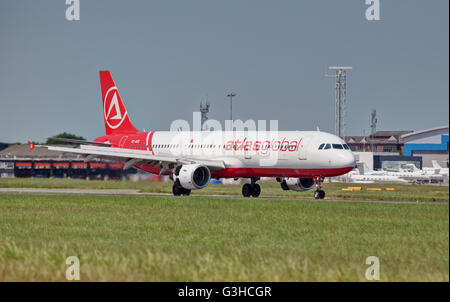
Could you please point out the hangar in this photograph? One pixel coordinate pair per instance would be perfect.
(430, 144)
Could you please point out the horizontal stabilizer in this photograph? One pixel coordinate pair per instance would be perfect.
(78, 141)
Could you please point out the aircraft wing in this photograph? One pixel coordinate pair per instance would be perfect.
(133, 157)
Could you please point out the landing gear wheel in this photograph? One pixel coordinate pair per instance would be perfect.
(322, 194)
(319, 194)
(256, 190)
(176, 190)
(251, 189)
(284, 185)
(247, 190)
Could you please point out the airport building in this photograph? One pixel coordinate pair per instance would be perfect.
(430, 144)
(18, 161)
(380, 141)
(395, 149)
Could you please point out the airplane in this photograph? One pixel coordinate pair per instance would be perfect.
(408, 172)
(355, 177)
(192, 158)
(411, 172)
(437, 169)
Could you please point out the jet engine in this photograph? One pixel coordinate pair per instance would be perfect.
(297, 184)
(193, 177)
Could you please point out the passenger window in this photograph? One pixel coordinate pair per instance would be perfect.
(328, 146)
(346, 147)
(321, 146)
(337, 146)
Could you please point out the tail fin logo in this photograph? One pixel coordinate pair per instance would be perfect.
(116, 113)
(114, 105)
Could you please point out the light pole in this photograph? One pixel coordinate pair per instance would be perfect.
(231, 95)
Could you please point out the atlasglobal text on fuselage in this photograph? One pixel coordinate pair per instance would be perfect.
(299, 160)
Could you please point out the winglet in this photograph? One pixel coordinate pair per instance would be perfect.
(31, 146)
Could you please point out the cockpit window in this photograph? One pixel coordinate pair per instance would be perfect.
(321, 146)
(328, 146)
(337, 146)
(346, 147)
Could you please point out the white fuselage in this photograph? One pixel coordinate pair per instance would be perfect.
(288, 152)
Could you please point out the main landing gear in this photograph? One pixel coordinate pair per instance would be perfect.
(251, 189)
(319, 193)
(178, 190)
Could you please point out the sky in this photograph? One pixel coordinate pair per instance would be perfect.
(168, 55)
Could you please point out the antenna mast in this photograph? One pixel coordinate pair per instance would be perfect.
(204, 109)
(373, 127)
(340, 98)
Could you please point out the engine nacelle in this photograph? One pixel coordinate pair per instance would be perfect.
(193, 177)
(299, 184)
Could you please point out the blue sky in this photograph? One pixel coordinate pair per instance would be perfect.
(167, 56)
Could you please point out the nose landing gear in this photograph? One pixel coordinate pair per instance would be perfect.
(251, 189)
(319, 193)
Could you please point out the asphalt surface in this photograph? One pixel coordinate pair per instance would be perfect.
(121, 192)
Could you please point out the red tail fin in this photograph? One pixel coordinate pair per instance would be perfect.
(31, 146)
(114, 111)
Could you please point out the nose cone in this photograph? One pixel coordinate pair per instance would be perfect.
(347, 159)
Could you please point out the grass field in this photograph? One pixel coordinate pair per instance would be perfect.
(142, 238)
(269, 188)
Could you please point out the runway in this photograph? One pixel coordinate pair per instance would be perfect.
(124, 192)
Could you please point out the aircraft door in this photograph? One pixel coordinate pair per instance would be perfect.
(302, 149)
(122, 141)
